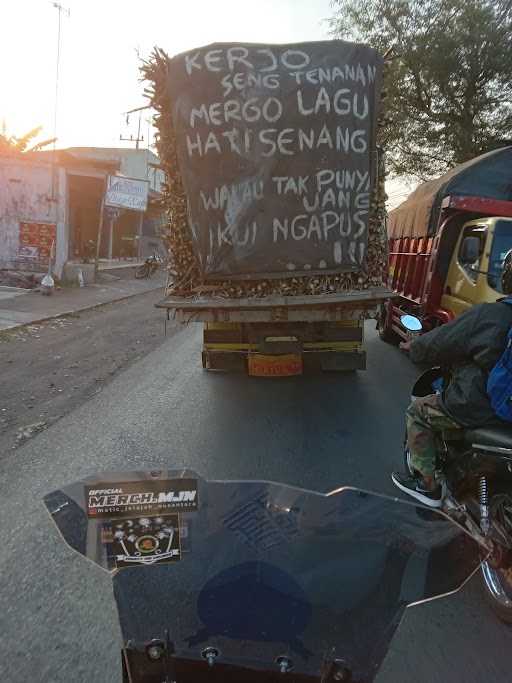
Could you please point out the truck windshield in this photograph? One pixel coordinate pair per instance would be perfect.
(501, 245)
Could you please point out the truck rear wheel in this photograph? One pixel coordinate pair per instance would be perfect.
(385, 332)
(389, 336)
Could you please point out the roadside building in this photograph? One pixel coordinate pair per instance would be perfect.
(48, 197)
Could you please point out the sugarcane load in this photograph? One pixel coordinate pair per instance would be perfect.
(275, 182)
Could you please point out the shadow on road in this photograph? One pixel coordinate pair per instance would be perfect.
(318, 430)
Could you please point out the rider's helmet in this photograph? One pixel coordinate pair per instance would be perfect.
(506, 275)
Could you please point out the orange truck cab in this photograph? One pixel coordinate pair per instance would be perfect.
(447, 244)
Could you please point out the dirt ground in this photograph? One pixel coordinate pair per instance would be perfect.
(47, 370)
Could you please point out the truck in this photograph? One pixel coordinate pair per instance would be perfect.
(447, 244)
(276, 197)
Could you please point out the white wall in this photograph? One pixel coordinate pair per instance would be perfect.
(26, 196)
(134, 163)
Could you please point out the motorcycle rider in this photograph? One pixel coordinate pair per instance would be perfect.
(470, 346)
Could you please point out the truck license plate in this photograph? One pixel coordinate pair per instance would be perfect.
(275, 366)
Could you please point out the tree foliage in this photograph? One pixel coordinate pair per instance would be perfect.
(449, 83)
(10, 144)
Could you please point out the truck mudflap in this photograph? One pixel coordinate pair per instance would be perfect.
(341, 362)
(328, 361)
(283, 350)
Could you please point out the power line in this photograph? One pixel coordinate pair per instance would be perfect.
(399, 195)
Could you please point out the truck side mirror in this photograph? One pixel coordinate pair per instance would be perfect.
(411, 323)
(469, 250)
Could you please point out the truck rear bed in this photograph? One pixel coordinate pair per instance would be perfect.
(275, 336)
(315, 308)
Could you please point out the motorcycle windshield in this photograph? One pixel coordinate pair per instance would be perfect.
(260, 570)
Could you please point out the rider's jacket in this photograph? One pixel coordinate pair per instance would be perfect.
(469, 346)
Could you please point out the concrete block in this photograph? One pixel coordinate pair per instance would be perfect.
(70, 273)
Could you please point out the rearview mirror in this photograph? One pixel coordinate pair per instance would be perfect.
(469, 250)
(411, 323)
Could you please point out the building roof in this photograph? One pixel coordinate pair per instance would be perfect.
(114, 153)
(60, 158)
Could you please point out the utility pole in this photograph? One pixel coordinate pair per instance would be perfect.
(60, 9)
(137, 139)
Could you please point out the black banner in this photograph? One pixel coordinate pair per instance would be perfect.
(276, 149)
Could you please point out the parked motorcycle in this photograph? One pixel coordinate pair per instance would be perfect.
(475, 469)
(89, 251)
(149, 267)
(253, 581)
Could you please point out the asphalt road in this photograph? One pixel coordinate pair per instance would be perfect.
(57, 617)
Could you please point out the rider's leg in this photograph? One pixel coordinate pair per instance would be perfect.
(426, 420)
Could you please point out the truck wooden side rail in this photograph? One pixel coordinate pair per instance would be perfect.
(280, 335)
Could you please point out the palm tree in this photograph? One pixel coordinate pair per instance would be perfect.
(10, 144)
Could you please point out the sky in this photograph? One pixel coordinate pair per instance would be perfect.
(98, 66)
(100, 39)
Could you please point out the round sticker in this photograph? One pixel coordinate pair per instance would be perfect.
(146, 544)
